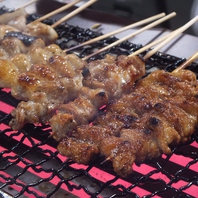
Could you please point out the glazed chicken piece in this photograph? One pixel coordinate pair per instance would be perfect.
(18, 22)
(114, 74)
(162, 110)
(43, 31)
(19, 62)
(84, 143)
(8, 74)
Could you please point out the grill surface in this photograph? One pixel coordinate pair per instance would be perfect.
(30, 165)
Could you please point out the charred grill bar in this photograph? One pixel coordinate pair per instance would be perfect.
(31, 166)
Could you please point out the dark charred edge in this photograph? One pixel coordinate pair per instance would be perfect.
(4, 10)
(26, 39)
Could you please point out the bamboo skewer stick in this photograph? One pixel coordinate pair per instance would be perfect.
(142, 22)
(187, 62)
(96, 26)
(171, 37)
(146, 47)
(74, 13)
(151, 25)
(63, 8)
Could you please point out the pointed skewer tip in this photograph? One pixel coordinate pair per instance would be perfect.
(187, 62)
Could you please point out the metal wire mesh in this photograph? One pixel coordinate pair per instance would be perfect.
(30, 165)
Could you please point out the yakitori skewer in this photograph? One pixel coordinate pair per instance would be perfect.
(133, 25)
(4, 18)
(68, 16)
(171, 37)
(61, 9)
(187, 62)
(151, 25)
(161, 139)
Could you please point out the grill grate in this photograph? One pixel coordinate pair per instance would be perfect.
(30, 165)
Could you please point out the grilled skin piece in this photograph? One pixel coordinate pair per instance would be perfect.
(162, 110)
(103, 81)
(20, 62)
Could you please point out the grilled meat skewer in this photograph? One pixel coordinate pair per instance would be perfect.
(16, 21)
(161, 111)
